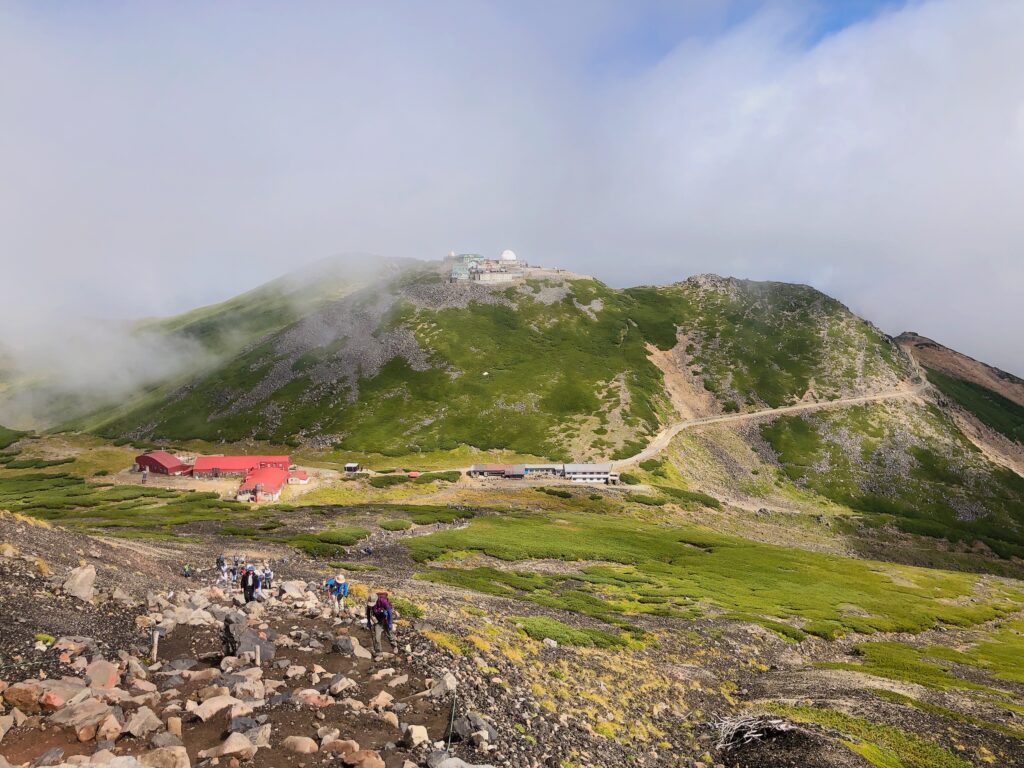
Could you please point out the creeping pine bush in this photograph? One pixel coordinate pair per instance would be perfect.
(691, 498)
(343, 536)
(541, 627)
(450, 476)
(386, 481)
(642, 498)
(556, 492)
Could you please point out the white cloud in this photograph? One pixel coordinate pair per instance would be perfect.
(160, 156)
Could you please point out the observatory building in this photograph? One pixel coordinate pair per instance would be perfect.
(472, 266)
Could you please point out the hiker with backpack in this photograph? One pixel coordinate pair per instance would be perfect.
(250, 582)
(337, 591)
(380, 618)
(268, 577)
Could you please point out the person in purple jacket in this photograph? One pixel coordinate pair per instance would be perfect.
(380, 618)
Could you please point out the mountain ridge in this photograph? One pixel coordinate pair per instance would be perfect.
(748, 344)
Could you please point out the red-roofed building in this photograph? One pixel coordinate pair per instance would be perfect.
(298, 477)
(237, 466)
(263, 484)
(162, 463)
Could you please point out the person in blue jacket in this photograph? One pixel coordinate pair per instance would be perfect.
(337, 591)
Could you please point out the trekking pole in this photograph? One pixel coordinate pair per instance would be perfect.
(451, 721)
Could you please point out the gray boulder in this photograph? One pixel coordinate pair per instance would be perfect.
(81, 582)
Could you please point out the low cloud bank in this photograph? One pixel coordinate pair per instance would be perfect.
(159, 157)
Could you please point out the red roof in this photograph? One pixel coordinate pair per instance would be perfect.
(238, 463)
(270, 479)
(300, 474)
(168, 461)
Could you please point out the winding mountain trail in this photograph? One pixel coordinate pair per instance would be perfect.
(661, 440)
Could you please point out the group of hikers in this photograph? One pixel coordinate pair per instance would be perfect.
(252, 580)
(380, 615)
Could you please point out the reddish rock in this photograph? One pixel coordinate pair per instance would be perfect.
(102, 674)
(340, 746)
(25, 696)
(364, 758)
(109, 728)
(302, 745)
(313, 698)
(84, 717)
(143, 685)
(381, 700)
(235, 744)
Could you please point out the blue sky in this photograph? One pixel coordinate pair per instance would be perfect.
(163, 155)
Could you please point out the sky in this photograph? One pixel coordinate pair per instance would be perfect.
(158, 156)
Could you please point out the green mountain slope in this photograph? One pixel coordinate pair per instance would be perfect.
(990, 408)
(552, 367)
(908, 464)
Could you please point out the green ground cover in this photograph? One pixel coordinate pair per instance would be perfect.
(682, 571)
(541, 627)
(997, 653)
(12, 462)
(898, 661)
(386, 481)
(881, 745)
(395, 524)
(69, 500)
(991, 408)
(906, 464)
(9, 436)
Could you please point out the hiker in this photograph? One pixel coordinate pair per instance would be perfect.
(249, 581)
(186, 571)
(222, 571)
(234, 570)
(337, 591)
(268, 576)
(380, 618)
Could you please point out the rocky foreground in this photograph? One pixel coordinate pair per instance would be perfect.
(300, 689)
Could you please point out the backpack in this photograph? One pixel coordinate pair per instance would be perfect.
(383, 605)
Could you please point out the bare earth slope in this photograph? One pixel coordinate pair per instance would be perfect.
(931, 354)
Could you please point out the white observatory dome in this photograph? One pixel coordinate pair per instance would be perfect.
(508, 255)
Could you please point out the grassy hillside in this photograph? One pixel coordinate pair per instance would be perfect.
(990, 408)
(9, 436)
(554, 368)
(905, 463)
(656, 568)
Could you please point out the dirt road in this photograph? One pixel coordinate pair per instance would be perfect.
(664, 437)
